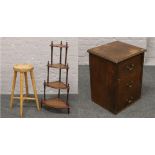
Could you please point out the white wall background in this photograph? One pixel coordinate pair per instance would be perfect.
(89, 42)
(150, 54)
(36, 51)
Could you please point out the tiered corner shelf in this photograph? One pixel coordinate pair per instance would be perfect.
(57, 102)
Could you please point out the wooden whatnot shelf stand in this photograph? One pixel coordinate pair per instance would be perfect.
(57, 102)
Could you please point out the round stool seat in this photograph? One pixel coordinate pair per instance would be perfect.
(23, 67)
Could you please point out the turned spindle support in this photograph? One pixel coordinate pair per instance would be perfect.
(48, 72)
(51, 52)
(44, 90)
(67, 75)
(66, 53)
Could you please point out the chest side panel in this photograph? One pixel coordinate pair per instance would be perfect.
(103, 81)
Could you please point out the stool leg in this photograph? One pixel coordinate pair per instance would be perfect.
(34, 89)
(13, 89)
(26, 84)
(21, 94)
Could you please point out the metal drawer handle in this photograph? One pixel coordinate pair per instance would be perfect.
(130, 67)
(130, 100)
(130, 84)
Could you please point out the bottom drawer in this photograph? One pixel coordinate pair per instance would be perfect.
(129, 90)
(126, 101)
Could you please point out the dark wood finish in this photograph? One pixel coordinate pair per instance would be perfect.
(60, 68)
(129, 84)
(68, 92)
(68, 98)
(103, 81)
(129, 67)
(66, 53)
(44, 90)
(116, 51)
(48, 72)
(67, 75)
(51, 52)
(116, 85)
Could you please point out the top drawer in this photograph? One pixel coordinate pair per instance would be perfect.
(130, 67)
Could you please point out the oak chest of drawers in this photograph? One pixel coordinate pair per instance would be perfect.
(116, 75)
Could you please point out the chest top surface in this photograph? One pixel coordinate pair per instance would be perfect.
(116, 51)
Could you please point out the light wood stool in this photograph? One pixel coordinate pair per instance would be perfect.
(23, 69)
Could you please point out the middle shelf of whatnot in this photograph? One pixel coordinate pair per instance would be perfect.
(57, 85)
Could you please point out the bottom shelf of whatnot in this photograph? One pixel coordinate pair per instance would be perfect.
(55, 103)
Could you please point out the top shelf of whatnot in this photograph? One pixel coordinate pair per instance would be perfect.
(59, 45)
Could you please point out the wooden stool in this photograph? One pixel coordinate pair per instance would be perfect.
(23, 69)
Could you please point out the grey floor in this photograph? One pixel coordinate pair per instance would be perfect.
(83, 107)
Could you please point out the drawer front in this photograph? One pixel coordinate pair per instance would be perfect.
(129, 90)
(130, 67)
(126, 101)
